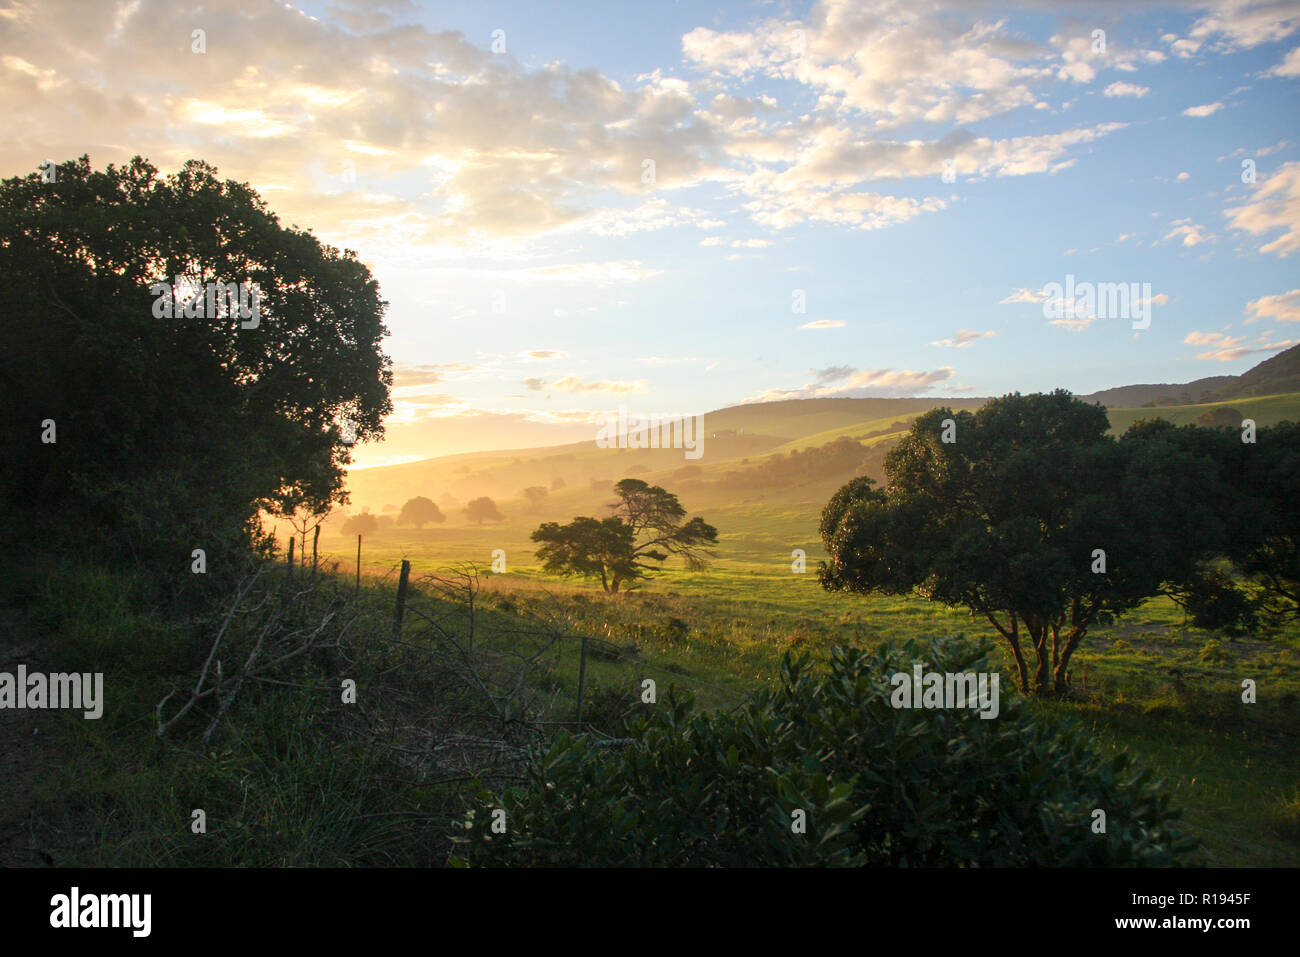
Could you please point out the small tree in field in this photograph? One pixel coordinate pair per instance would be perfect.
(481, 510)
(419, 511)
(649, 525)
(534, 495)
(361, 524)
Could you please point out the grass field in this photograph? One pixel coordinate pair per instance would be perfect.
(1168, 692)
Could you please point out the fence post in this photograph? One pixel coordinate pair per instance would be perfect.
(401, 598)
(358, 566)
(582, 676)
(314, 539)
(290, 556)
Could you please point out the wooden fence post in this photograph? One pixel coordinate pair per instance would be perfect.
(582, 676)
(290, 556)
(358, 566)
(401, 598)
(314, 539)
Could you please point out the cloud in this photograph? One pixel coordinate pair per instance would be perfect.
(964, 339)
(409, 375)
(1232, 25)
(831, 373)
(1208, 109)
(1024, 295)
(574, 384)
(1119, 88)
(881, 383)
(736, 243)
(1183, 177)
(1227, 348)
(1191, 233)
(823, 324)
(543, 355)
(1290, 65)
(1273, 207)
(1284, 306)
(923, 61)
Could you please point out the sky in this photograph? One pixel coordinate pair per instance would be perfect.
(677, 207)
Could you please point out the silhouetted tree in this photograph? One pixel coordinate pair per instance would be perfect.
(419, 511)
(481, 510)
(1034, 518)
(174, 432)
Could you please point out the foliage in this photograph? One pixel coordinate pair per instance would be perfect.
(1037, 520)
(482, 509)
(419, 511)
(176, 432)
(534, 495)
(362, 523)
(880, 786)
(649, 524)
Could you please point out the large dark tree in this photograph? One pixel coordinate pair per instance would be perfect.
(1264, 536)
(1034, 519)
(174, 433)
(648, 526)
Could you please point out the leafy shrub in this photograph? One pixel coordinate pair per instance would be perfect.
(880, 786)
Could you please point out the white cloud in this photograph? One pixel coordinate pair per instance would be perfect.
(823, 324)
(1207, 109)
(1290, 65)
(963, 339)
(1273, 207)
(1225, 348)
(861, 383)
(1191, 233)
(1284, 306)
(1119, 88)
(1024, 295)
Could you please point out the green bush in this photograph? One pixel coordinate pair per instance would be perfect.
(880, 786)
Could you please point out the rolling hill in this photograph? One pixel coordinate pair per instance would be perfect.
(791, 452)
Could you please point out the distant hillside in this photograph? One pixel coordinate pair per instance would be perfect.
(1134, 396)
(794, 451)
(1273, 376)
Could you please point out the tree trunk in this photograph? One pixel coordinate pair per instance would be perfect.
(1013, 639)
(1042, 674)
(1061, 684)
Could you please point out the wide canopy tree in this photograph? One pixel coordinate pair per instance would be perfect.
(172, 433)
(648, 526)
(1035, 519)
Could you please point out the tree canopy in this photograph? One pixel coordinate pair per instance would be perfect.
(172, 433)
(420, 511)
(482, 509)
(648, 526)
(1029, 514)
